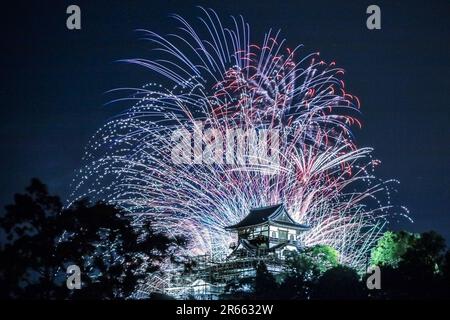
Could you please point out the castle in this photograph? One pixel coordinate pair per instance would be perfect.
(265, 234)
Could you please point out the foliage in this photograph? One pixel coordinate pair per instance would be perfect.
(411, 266)
(391, 247)
(311, 262)
(425, 254)
(339, 282)
(303, 269)
(323, 257)
(114, 253)
(420, 271)
(265, 285)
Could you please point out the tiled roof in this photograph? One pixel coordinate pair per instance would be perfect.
(264, 214)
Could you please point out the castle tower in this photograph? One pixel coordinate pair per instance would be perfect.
(267, 231)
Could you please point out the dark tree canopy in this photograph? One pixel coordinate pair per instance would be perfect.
(339, 282)
(391, 247)
(265, 285)
(417, 271)
(114, 253)
(412, 266)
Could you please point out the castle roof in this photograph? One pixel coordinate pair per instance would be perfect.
(275, 215)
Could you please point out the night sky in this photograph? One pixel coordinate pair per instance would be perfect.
(54, 83)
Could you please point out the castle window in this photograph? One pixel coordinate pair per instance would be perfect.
(274, 234)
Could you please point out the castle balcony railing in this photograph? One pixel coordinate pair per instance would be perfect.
(296, 243)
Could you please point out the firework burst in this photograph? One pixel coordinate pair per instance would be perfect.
(220, 79)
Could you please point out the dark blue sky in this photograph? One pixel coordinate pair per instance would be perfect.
(53, 83)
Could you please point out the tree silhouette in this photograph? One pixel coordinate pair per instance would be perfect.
(421, 264)
(303, 269)
(115, 253)
(339, 282)
(418, 271)
(391, 247)
(446, 275)
(265, 285)
(28, 258)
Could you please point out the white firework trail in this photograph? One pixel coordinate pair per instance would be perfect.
(224, 81)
